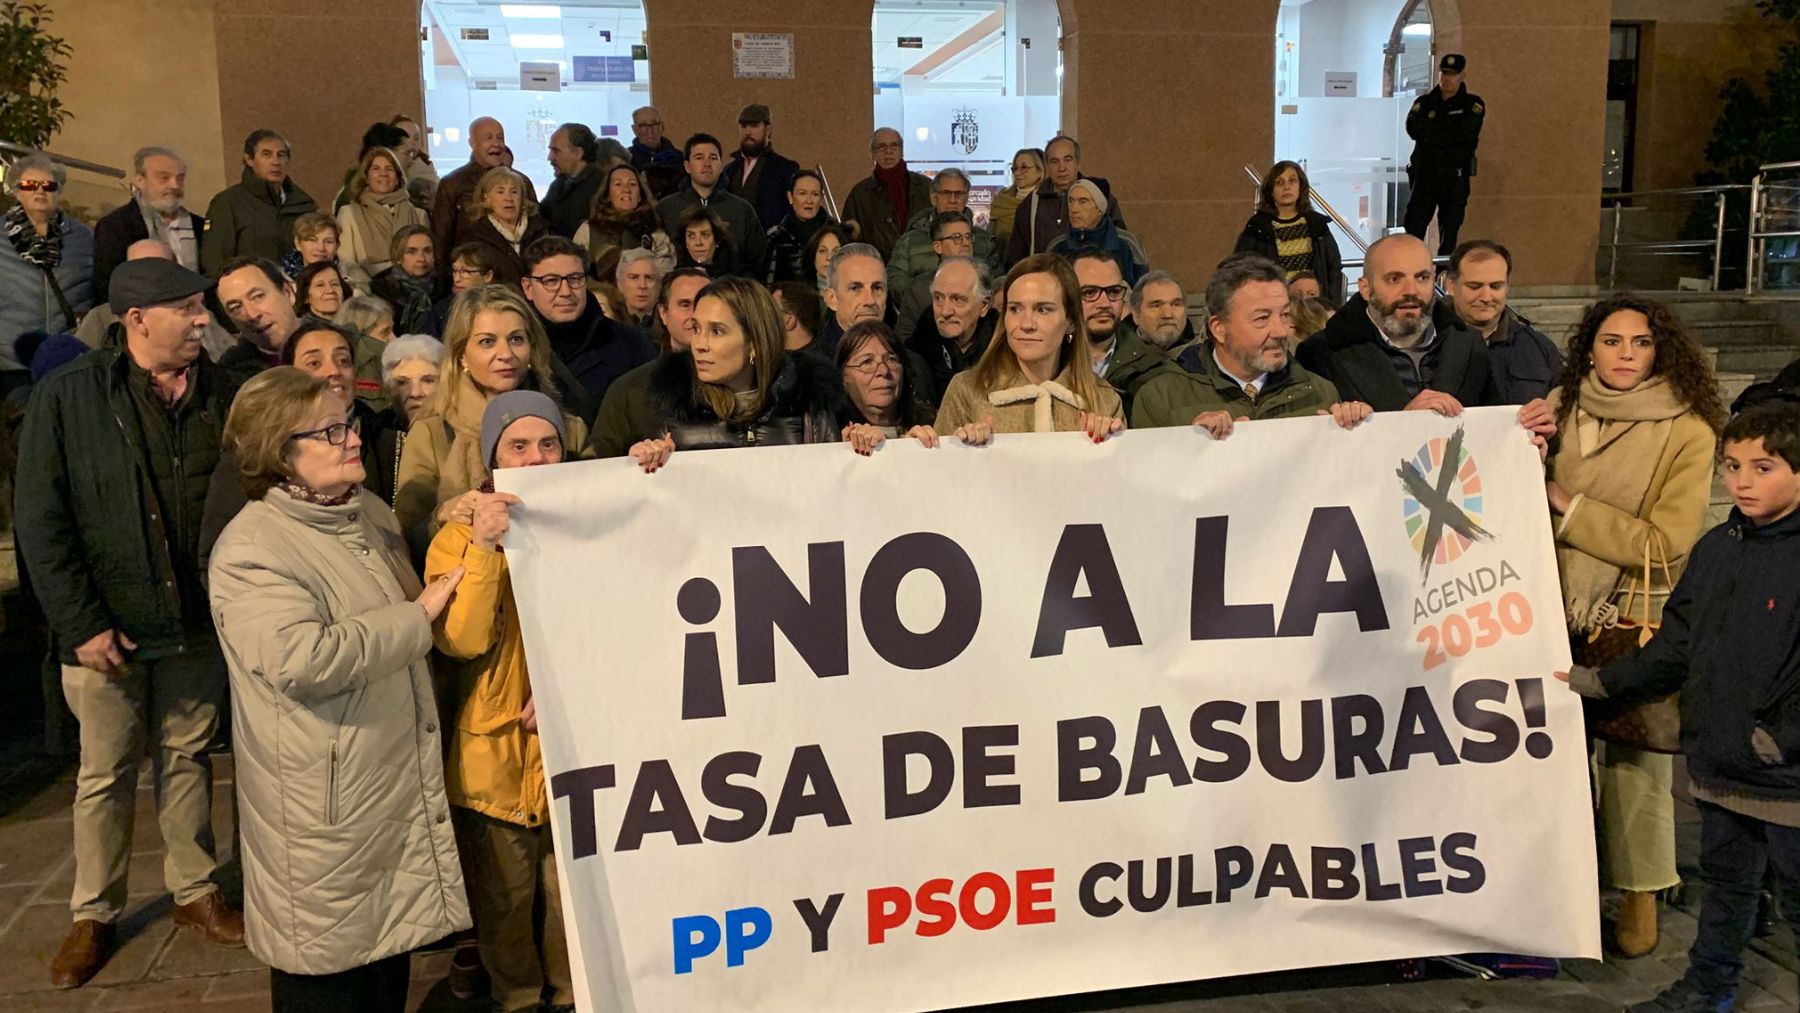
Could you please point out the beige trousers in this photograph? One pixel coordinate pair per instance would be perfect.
(172, 706)
(1636, 825)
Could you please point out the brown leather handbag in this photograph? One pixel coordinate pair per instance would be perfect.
(1654, 724)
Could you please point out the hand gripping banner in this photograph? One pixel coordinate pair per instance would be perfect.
(955, 726)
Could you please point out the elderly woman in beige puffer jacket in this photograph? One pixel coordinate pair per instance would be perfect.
(349, 859)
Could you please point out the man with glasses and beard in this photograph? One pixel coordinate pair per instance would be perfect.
(1121, 357)
(1394, 346)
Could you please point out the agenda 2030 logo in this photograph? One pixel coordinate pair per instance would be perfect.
(1468, 606)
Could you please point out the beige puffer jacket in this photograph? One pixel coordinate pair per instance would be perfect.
(348, 850)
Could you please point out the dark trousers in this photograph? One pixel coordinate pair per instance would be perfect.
(372, 988)
(1734, 852)
(1444, 193)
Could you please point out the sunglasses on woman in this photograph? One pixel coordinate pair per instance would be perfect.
(35, 185)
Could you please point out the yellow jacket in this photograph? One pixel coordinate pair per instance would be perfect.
(495, 766)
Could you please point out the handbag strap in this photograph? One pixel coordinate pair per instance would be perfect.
(61, 299)
(1653, 545)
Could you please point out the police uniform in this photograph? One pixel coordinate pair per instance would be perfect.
(1445, 131)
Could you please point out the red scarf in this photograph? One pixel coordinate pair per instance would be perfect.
(896, 180)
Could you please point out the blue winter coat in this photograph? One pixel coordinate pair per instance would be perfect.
(27, 302)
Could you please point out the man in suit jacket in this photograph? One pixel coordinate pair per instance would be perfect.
(159, 185)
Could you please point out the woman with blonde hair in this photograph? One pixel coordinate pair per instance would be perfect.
(492, 344)
(737, 386)
(349, 864)
(504, 216)
(378, 208)
(1041, 378)
(1027, 172)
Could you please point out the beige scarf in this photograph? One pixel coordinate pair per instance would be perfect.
(463, 468)
(1619, 437)
(1042, 394)
(378, 217)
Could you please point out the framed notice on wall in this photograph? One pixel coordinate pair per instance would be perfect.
(762, 54)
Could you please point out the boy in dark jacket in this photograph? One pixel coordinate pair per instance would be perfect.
(1730, 642)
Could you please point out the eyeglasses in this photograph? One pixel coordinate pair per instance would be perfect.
(957, 237)
(337, 434)
(556, 282)
(869, 367)
(466, 272)
(648, 123)
(888, 146)
(35, 185)
(1092, 293)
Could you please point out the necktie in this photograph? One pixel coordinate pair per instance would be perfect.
(1250, 389)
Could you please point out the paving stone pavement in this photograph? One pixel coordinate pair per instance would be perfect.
(160, 968)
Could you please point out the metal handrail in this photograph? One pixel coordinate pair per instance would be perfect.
(1661, 247)
(1756, 252)
(1325, 206)
(74, 163)
(831, 204)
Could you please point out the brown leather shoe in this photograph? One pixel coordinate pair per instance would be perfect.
(1635, 931)
(83, 954)
(223, 924)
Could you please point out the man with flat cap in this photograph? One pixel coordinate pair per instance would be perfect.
(1445, 125)
(758, 173)
(114, 460)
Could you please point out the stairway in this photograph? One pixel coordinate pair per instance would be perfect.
(1751, 339)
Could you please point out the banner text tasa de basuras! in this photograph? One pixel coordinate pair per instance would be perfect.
(745, 794)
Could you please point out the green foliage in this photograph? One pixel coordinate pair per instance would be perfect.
(32, 65)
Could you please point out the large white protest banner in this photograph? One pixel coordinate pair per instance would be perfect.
(954, 726)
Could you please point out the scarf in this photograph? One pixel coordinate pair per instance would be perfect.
(411, 298)
(1609, 454)
(514, 235)
(897, 181)
(463, 469)
(306, 494)
(376, 218)
(45, 251)
(186, 245)
(1042, 394)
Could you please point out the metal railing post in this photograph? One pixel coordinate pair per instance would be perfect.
(1612, 270)
(1719, 243)
(831, 203)
(1750, 258)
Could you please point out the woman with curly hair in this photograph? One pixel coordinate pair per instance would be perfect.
(1638, 415)
(623, 218)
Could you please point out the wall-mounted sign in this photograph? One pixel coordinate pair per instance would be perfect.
(474, 35)
(1340, 84)
(912, 42)
(602, 70)
(762, 54)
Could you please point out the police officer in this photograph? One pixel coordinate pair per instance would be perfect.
(1445, 125)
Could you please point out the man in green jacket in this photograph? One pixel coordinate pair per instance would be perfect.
(115, 457)
(915, 253)
(256, 217)
(1121, 357)
(1243, 370)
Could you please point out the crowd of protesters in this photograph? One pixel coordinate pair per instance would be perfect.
(259, 477)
